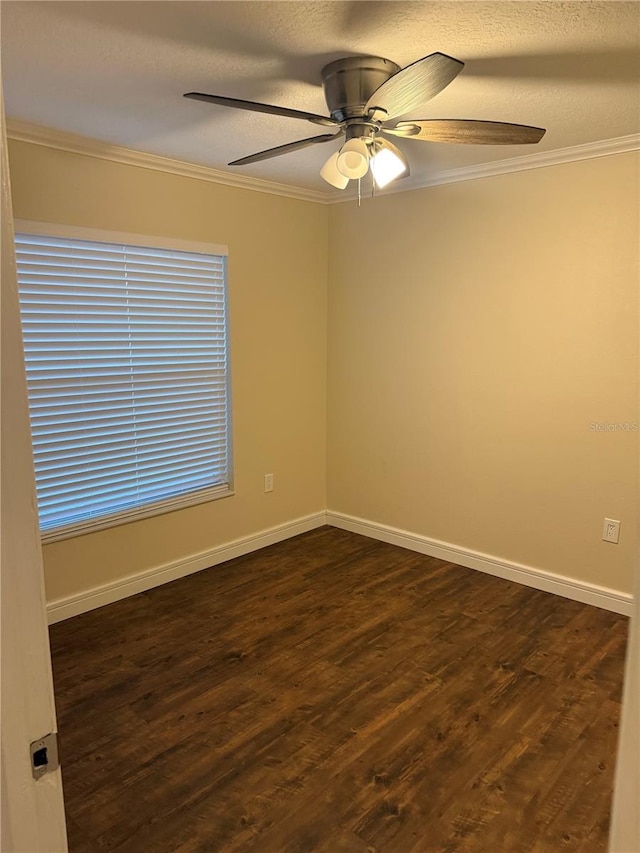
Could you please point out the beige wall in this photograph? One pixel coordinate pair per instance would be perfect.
(278, 286)
(476, 330)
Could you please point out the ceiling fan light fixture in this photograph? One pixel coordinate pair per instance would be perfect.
(331, 174)
(353, 159)
(387, 164)
(366, 96)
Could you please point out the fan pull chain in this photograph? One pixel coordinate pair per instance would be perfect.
(359, 196)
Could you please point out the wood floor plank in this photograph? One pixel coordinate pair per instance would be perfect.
(332, 693)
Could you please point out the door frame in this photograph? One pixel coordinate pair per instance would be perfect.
(32, 811)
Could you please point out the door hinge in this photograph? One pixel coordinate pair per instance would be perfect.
(44, 755)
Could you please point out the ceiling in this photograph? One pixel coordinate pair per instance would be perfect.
(116, 71)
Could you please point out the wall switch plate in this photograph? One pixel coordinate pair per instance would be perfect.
(611, 530)
(268, 482)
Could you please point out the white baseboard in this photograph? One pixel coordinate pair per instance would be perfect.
(599, 596)
(72, 605)
(587, 593)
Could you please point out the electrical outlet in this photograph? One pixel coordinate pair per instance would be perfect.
(268, 482)
(611, 530)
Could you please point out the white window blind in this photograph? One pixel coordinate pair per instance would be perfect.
(127, 371)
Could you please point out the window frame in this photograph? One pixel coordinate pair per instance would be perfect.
(163, 506)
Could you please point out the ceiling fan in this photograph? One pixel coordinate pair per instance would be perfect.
(366, 95)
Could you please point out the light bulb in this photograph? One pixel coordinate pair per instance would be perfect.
(388, 163)
(331, 174)
(353, 159)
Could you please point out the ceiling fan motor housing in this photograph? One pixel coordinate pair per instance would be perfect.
(349, 83)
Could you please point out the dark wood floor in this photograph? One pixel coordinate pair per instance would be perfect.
(333, 693)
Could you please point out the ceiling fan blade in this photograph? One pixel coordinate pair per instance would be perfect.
(284, 149)
(256, 107)
(467, 131)
(414, 85)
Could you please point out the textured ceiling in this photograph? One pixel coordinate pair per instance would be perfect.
(116, 71)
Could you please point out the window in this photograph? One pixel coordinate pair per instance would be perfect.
(126, 352)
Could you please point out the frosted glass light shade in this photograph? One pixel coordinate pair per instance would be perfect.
(387, 164)
(331, 174)
(353, 159)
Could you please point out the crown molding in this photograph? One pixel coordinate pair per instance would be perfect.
(537, 160)
(26, 132)
(23, 131)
